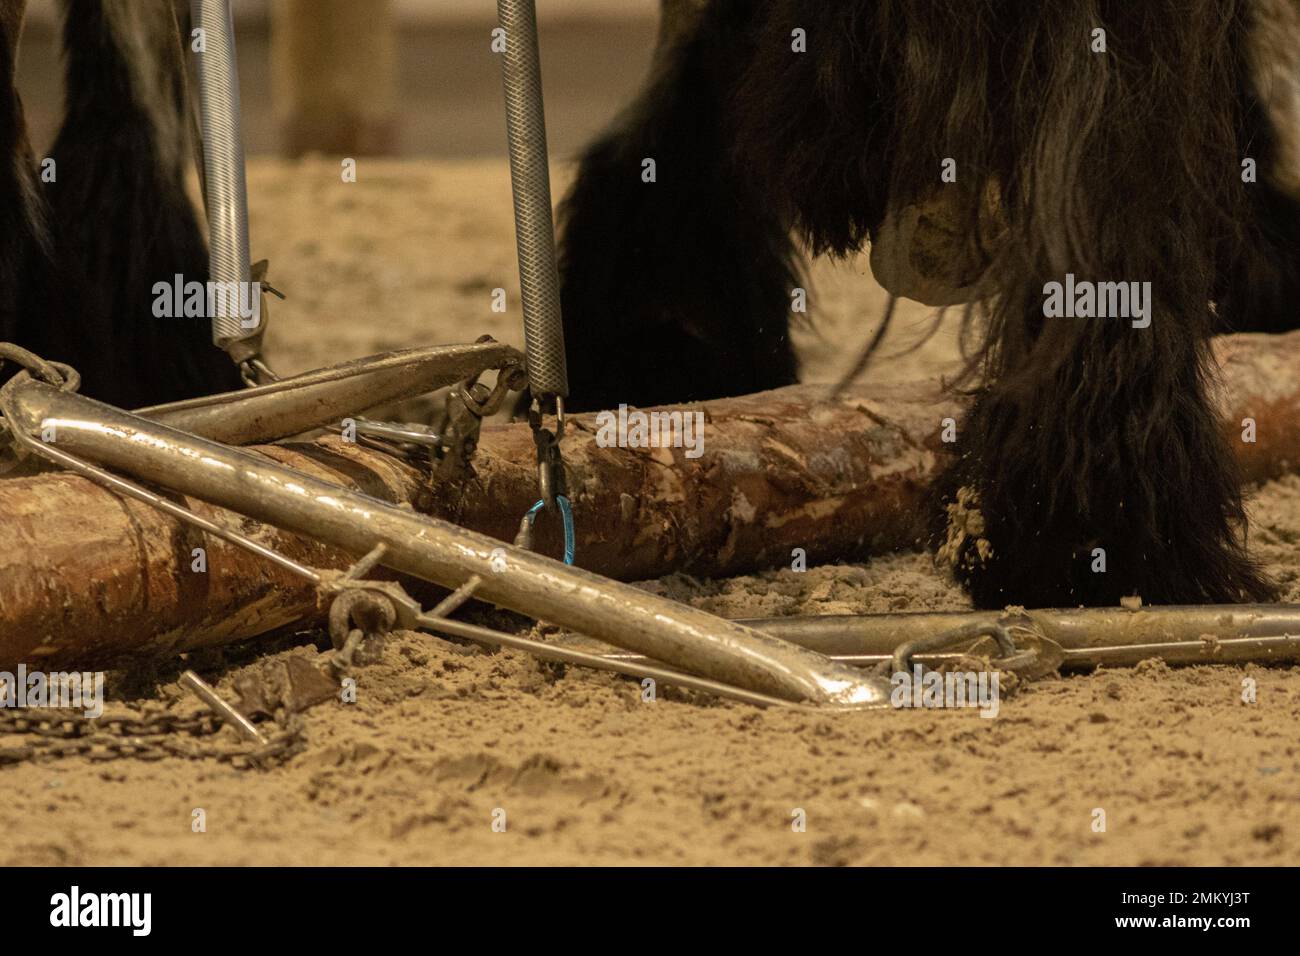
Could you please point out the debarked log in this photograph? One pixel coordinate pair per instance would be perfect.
(88, 577)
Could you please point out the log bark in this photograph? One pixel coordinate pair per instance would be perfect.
(86, 577)
(1261, 382)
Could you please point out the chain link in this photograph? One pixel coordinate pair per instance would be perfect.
(63, 733)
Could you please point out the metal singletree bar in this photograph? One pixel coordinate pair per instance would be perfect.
(325, 396)
(628, 617)
(1115, 636)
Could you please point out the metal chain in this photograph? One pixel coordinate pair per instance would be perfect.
(461, 419)
(57, 374)
(70, 733)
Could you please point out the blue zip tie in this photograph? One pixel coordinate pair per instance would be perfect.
(566, 517)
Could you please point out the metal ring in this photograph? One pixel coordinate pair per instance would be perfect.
(362, 609)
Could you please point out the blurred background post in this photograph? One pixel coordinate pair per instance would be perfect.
(414, 78)
(334, 76)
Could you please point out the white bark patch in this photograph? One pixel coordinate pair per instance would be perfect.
(741, 509)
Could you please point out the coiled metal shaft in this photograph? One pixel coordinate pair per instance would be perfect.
(223, 164)
(530, 182)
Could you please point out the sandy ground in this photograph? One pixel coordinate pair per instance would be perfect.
(441, 743)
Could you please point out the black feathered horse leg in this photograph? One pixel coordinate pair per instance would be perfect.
(677, 288)
(120, 216)
(24, 243)
(1106, 479)
(1258, 287)
(1091, 463)
(1093, 466)
(1260, 292)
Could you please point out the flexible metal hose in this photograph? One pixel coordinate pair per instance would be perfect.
(223, 163)
(539, 278)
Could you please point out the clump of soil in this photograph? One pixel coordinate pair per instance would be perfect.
(965, 545)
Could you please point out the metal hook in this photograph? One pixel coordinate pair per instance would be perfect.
(901, 662)
(525, 537)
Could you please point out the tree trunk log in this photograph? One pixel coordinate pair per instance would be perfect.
(86, 577)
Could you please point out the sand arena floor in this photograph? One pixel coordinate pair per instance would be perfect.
(441, 740)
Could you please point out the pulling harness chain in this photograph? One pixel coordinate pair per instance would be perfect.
(144, 735)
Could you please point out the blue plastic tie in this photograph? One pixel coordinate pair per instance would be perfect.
(566, 518)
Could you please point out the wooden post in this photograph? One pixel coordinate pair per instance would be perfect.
(334, 66)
